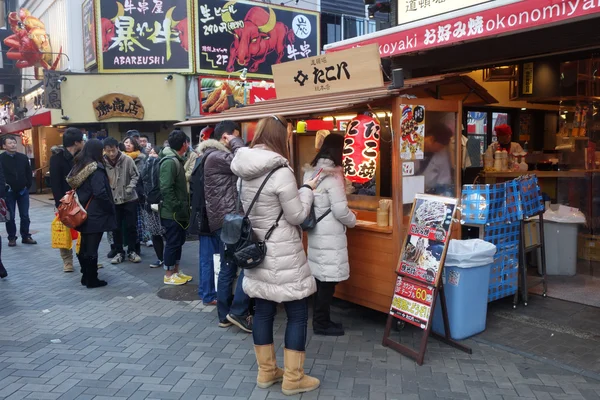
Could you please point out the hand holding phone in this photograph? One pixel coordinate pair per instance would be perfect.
(315, 178)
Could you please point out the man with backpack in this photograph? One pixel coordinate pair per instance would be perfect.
(174, 207)
(221, 196)
(209, 245)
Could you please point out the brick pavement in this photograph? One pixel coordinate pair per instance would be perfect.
(59, 340)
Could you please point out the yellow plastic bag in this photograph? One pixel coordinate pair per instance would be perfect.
(78, 244)
(61, 235)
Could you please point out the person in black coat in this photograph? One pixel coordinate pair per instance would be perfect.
(88, 177)
(61, 163)
(19, 178)
(3, 273)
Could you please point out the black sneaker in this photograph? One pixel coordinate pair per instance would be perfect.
(224, 324)
(3, 273)
(28, 240)
(112, 253)
(244, 323)
(331, 330)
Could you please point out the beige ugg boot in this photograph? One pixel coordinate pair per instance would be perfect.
(294, 380)
(268, 373)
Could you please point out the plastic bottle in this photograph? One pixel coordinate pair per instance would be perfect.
(525, 147)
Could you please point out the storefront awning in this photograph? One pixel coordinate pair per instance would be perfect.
(449, 86)
(486, 21)
(41, 119)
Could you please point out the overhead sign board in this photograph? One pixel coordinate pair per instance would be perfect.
(413, 10)
(233, 35)
(143, 36)
(353, 69)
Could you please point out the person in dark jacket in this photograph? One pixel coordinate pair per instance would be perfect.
(209, 245)
(151, 218)
(61, 163)
(88, 177)
(3, 273)
(19, 178)
(221, 197)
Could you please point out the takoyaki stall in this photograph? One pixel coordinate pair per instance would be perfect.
(401, 139)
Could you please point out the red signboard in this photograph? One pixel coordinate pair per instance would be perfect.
(258, 94)
(520, 16)
(412, 302)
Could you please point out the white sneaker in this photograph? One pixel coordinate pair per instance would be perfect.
(149, 243)
(118, 259)
(133, 257)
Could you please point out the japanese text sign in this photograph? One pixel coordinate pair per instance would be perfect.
(427, 238)
(510, 18)
(116, 105)
(353, 69)
(240, 34)
(89, 35)
(412, 10)
(412, 302)
(144, 35)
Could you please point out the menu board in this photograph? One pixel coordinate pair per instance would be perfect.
(422, 258)
(425, 245)
(412, 128)
(412, 302)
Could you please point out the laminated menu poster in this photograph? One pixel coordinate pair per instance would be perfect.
(412, 302)
(427, 239)
(412, 129)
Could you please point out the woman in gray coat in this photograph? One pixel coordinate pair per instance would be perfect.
(327, 244)
(284, 276)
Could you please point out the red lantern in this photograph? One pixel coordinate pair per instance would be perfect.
(361, 147)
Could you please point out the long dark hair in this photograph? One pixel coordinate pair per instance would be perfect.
(332, 148)
(92, 152)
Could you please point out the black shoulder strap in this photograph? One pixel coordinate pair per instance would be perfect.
(323, 216)
(260, 190)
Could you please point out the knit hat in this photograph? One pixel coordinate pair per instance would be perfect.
(503, 130)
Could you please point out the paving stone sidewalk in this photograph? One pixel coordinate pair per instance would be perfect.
(59, 340)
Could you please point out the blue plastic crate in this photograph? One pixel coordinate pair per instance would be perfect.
(483, 204)
(504, 274)
(530, 199)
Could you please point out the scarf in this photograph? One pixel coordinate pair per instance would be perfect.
(133, 154)
(114, 163)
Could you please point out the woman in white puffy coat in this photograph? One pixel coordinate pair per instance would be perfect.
(327, 244)
(284, 276)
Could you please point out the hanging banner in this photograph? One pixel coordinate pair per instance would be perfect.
(427, 238)
(144, 36)
(89, 36)
(412, 128)
(240, 34)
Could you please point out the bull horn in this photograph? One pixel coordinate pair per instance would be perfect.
(268, 27)
(120, 12)
(169, 16)
(226, 16)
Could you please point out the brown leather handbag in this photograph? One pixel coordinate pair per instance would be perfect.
(70, 211)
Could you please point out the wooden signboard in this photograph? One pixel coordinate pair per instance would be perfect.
(419, 269)
(116, 105)
(353, 69)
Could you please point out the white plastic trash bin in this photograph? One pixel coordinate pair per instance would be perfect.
(560, 237)
(466, 277)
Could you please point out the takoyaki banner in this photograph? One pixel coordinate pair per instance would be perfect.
(233, 35)
(144, 36)
(342, 71)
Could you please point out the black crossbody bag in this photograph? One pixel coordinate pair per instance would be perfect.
(240, 241)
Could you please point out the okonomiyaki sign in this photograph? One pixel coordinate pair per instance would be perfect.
(144, 36)
(239, 34)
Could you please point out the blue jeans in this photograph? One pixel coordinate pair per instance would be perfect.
(209, 246)
(295, 330)
(175, 239)
(237, 304)
(14, 199)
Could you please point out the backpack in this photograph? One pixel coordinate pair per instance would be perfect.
(70, 211)
(238, 237)
(311, 221)
(198, 198)
(154, 196)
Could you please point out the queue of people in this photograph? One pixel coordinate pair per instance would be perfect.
(131, 189)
